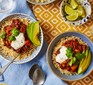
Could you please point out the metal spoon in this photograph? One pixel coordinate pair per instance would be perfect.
(33, 68)
(33, 72)
(3, 69)
(38, 77)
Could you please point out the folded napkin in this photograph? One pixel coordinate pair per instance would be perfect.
(19, 74)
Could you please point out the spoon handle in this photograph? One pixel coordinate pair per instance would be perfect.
(33, 83)
(3, 69)
(37, 84)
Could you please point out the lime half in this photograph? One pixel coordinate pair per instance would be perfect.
(69, 10)
(74, 4)
(72, 17)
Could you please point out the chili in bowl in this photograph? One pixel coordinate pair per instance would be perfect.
(20, 34)
(69, 56)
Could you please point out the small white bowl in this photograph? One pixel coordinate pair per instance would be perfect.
(40, 3)
(87, 8)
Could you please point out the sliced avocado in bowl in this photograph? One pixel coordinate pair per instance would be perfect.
(33, 33)
(29, 30)
(86, 62)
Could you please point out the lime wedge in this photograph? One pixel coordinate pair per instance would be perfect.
(74, 4)
(72, 17)
(84, 13)
(81, 11)
(69, 10)
(69, 1)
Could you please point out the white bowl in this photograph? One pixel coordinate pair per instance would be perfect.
(41, 3)
(87, 8)
(38, 49)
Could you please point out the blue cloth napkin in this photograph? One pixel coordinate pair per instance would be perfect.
(19, 74)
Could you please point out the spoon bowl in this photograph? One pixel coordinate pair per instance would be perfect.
(31, 72)
(38, 77)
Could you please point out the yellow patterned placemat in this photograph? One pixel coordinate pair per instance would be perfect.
(52, 25)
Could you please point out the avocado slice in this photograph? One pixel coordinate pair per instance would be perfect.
(83, 62)
(32, 32)
(29, 30)
(83, 58)
(35, 34)
(86, 62)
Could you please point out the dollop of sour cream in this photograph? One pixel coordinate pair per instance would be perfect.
(19, 42)
(62, 55)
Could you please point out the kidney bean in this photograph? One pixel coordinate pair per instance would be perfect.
(16, 21)
(57, 52)
(68, 68)
(77, 50)
(84, 47)
(7, 43)
(22, 28)
(73, 68)
(65, 62)
(63, 66)
(8, 29)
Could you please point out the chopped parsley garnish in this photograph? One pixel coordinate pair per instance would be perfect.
(72, 61)
(3, 35)
(80, 56)
(69, 52)
(77, 57)
(11, 38)
(15, 32)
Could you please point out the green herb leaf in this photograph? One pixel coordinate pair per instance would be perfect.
(11, 38)
(15, 32)
(69, 52)
(76, 63)
(72, 61)
(80, 56)
(3, 35)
